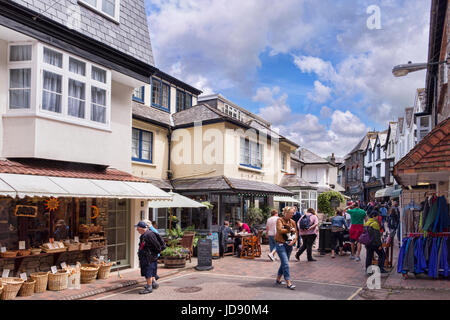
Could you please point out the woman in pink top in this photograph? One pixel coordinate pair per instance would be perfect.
(308, 233)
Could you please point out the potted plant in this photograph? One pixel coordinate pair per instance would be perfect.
(254, 216)
(174, 256)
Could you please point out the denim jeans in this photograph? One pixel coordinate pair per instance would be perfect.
(272, 243)
(284, 252)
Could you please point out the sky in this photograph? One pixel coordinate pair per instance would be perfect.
(319, 71)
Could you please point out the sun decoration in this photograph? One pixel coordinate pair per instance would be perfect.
(52, 204)
(95, 212)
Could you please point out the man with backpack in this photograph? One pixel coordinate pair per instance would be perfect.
(296, 217)
(150, 246)
(308, 230)
(371, 237)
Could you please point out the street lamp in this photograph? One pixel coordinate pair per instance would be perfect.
(403, 69)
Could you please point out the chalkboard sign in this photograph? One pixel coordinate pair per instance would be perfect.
(26, 211)
(204, 255)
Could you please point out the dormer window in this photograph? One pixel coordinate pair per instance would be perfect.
(107, 8)
(233, 112)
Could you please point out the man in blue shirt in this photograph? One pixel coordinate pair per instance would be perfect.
(383, 211)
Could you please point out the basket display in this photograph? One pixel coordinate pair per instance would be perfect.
(86, 246)
(89, 272)
(9, 254)
(27, 288)
(41, 279)
(58, 281)
(46, 250)
(73, 247)
(24, 253)
(1, 287)
(35, 252)
(11, 287)
(104, 271)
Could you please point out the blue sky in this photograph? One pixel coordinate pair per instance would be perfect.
(312, 68)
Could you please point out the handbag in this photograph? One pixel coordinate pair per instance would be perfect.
(365, 238)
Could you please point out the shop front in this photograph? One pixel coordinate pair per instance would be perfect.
(229, 198)
(47, 220)
(371, 187)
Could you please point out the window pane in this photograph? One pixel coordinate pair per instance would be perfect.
(19, 78)
(52, 57)
(77, 97)
(108, 7)
(425, 122)
(139, 93)
(91, 2)
(188, 100)
(98, 110)
(77, 67)
(19, 99)
(135, 143)
(165, 96)
(20, 53)
(98, 74)
(180, 102)
(52, 89)
(156, 92)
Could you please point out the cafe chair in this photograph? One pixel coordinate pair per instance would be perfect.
(249, 247)
(231, 252)
(187, 242)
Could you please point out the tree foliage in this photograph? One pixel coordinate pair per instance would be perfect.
(324, 201)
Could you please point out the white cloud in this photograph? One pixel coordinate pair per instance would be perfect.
(276, 109)
(321, 93)
(325, 112)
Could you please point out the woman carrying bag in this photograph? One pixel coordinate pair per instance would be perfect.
(371, 237)
(338, 225)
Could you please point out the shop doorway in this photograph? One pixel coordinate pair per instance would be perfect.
(118, 232)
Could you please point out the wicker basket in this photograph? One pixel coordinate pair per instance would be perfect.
(11, 287)
(73, 247)
(1, 287)
(104, 271)
(41, 279)
(58, 281)
(86, 246)
(24, 253)
(87, 275)
(9, 254)
(35, 252)
(27, 288)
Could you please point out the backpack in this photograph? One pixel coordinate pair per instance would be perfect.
(365, 238)
(304, 222)
(161, 242)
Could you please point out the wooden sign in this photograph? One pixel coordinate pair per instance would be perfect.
(26, 211)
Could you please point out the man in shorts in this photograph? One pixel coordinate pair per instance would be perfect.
(356, 229)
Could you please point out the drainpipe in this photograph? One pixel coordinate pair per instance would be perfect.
(169, 142)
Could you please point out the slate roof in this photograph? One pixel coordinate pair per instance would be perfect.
(292, 180)
(361, 146)
(409, 114)
(309, 157)
(222, 183)
(64, 169)
(147, 113)
(130, 35)
(160, 183)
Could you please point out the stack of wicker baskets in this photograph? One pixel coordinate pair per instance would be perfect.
(41, 279)
(11, 287)
(104, 271)
(89, 272)
(58, 281)
(1, 286)
(27, 288)
(9, 254)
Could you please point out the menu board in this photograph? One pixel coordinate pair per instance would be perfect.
(26, 211)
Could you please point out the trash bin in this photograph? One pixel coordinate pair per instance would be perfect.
(325, 238)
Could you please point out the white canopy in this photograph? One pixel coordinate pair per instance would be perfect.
(178, 201)
(22, 185)
(285, 199)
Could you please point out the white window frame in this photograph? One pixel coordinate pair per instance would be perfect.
(23, 65)
(98, 9)
(423, 128)
(259, 153)
(38, 66)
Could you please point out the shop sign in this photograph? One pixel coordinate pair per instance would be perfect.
(215, 244)
(26, 211)
(355, 189)
(5, 273)
(335, 202)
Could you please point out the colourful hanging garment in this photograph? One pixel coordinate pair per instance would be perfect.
(443, 259)
(432, 264)
(401, 255)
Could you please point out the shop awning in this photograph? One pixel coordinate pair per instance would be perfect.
(178, 201)
(396, 193)
(386, 192)
(22, 185)
(285, 199)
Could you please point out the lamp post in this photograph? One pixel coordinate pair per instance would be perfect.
(402, 70)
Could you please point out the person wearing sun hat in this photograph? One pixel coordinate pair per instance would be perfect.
(149, 248)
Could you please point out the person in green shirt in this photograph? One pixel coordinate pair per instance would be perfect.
(357, 218)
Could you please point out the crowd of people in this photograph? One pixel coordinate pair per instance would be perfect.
(368, 225)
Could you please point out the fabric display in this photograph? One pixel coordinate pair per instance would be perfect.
(425, 255)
